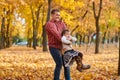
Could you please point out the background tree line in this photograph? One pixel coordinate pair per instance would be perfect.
(90, 21)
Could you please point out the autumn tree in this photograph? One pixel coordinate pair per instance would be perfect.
(32, 18)
(108, 27)
(97, 16)
(8, 30)
(118, 7)
(44, 31)
(7, 8)
(3, 30)
(27, 16)
(119, 57)
(35, 22)
(84, 7)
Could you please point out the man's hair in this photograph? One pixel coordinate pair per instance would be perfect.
(64, 31)
(54, 10)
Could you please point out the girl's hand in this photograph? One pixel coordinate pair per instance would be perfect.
(69, 38)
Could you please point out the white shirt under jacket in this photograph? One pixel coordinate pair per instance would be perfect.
(65, 43)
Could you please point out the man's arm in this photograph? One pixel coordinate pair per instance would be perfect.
(50, 27)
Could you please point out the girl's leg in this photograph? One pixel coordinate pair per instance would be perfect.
(80, 65)
(78, 60)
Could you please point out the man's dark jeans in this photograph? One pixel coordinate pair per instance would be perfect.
(58, 60)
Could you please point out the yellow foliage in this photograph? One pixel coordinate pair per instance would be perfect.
(25, 63)
(71, 13)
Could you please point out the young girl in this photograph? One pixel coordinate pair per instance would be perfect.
(70, 55)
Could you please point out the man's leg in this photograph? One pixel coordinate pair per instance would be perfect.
(58, 60)
(66, 71)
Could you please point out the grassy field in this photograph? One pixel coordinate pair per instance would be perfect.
(22, 63)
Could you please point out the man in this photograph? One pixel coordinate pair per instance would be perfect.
(54, 28)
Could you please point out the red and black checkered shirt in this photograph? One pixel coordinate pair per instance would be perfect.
(54, 30)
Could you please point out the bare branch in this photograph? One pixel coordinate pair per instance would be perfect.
(100, 8)
(94, 10)
(37, 14)
(74, 29)
(84, 15)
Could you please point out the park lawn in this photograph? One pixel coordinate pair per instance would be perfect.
(22, 63)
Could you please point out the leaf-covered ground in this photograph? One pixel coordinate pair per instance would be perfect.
(22, 63)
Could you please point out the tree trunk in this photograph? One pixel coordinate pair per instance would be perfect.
(104, 38)
(97, 37)
(119, 42)
(44, 31)
(34, 27)
(88, 43)
(3, 32)
(37, 21)
(30, 42)
(92, 39)
(34, 36)
(88, 39)
(83, 39)
(112, 40)
(8, 35)
(80, 40)
(119, 55)
(44, 38)
(35, 18)
(44, 42)
(8, 30)
(97, 25)
(77, 36)
(28, 38)
(108, 40)
(116, 37)
(0, 43)
(105, 34)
